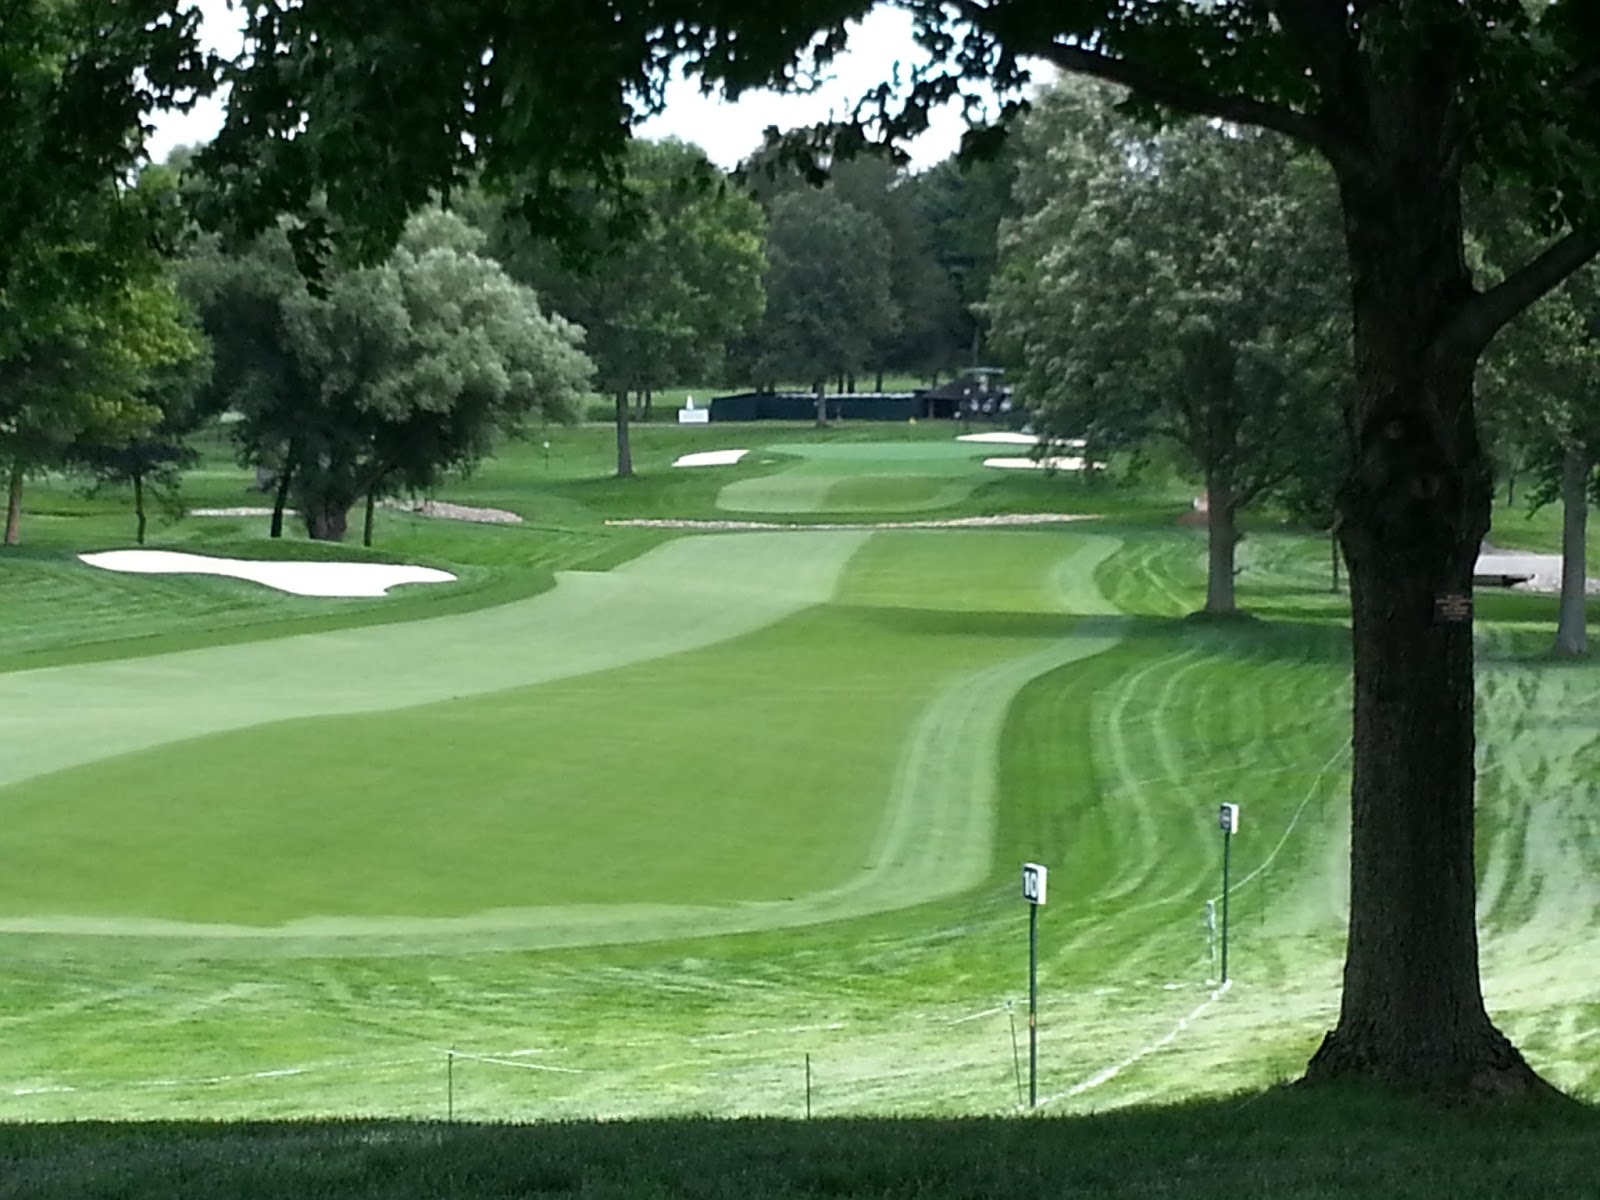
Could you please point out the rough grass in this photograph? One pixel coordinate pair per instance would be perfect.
(1274, 1146)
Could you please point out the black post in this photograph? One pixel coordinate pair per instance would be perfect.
(1033, 1005)
(1227, 847)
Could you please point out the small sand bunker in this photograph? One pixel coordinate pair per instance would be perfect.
(1054, 463)
(711, 458)
(1004, 438)
(297, 578)
(1524, 572)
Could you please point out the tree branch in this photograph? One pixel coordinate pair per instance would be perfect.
(1242, 110)
(1483, 316)
(1322, 31)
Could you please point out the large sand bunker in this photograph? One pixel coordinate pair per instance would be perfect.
(298, 578)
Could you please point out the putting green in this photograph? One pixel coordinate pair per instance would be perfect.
(805, 761)
(864, 477)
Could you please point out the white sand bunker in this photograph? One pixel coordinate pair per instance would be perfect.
(1004, 438)
(298, 578)
(711, 458)
(1053, 463)
(1525, 572)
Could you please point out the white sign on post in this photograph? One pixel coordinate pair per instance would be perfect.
(1035, 880)
(1228, 818)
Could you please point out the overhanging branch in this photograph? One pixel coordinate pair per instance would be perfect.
(1484, 315)
(1242, 110)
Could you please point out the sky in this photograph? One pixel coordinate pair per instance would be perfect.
(727, 132)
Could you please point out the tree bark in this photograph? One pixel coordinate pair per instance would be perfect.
(14, 503)
(1572, 632)
(1222, 540)
(280, 499)
(624, 445)
(822, 404)
(326, 520)
(1412, 516)
(138, 507)
(366, 524)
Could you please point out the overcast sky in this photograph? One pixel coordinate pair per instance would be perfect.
(727, 132)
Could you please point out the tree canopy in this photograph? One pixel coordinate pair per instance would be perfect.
(1179, 284)
(662, 303)
(384, 378)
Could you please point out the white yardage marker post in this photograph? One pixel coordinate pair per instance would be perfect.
(1228, 820)
(1035, 885)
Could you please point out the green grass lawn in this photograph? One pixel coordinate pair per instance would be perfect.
(1278, 1146)
(633, 825)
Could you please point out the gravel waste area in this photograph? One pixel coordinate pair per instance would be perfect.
(424, 508)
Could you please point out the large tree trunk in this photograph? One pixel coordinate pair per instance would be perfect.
(822, 404)
(1572, 633)
(624, 445)
(14, 503)
(1222, 539)
(326, 519)
(366, 524)
(1411, 518)
(138, 506)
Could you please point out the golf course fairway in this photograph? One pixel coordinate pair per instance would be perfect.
(458, 782)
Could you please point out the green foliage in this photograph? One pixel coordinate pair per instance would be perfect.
(1183, 283)
(964, 204)
(92, 379)
(927, 271)
(660, 305)
(78, 78)
(828, 286)
(384, 379)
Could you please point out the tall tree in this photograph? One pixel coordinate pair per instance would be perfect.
(1400, 98)
(381, 379)
(1541, 381)
(963, 202)
(1182, 284)
(929, 334)
(829, 300)
(662, 303)
(150, 459)
(88, 379)
(76, 260)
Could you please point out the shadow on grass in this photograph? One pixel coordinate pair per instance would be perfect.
(1287, 1144)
